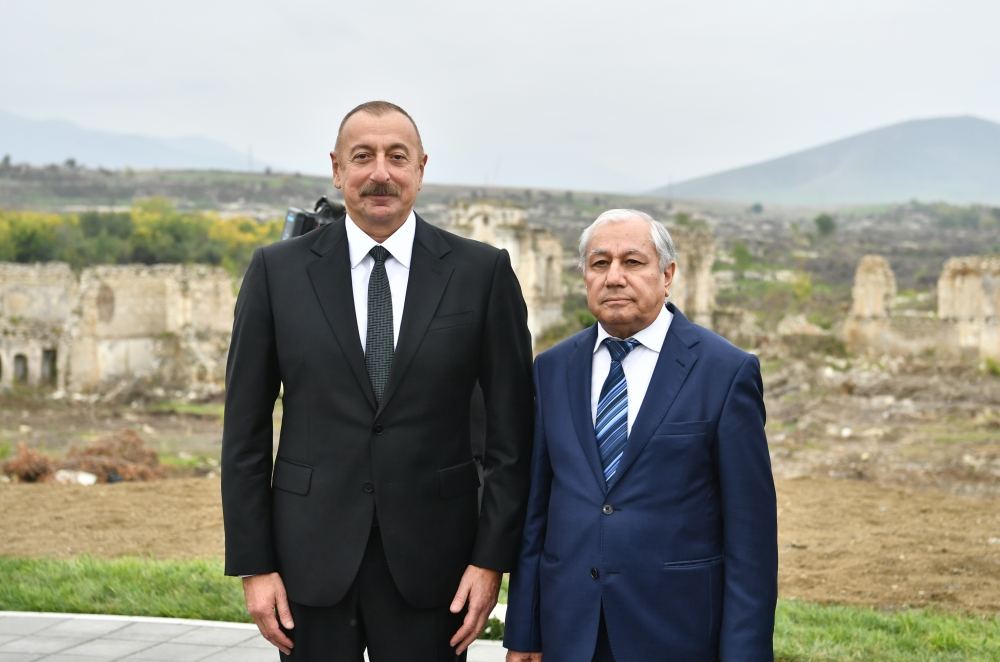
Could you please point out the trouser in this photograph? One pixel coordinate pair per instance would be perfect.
(373, 616)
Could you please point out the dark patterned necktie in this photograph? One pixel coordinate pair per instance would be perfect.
(611, 422)
(378, 343)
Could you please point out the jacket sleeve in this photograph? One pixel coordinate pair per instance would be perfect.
(252, 382)
(749, 514)
(522, 628)
(505, 377)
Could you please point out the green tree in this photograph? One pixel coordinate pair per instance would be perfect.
(825, 225)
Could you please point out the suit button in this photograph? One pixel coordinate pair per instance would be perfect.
(607, 509)
(368, 488)
(594, 574)
(378, 429)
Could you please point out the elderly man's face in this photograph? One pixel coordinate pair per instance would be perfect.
(625, 287)
(379, 165)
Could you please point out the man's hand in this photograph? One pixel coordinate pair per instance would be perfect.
(265, 595)
(479, 588)
(515, 656)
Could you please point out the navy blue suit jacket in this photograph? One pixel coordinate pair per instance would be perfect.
(681, 547)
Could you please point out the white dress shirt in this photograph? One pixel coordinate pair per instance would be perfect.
(397, 269)
(638, 365)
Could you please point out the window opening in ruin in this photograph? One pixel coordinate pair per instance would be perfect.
(105, 303)
(20, 369)
(49, 367)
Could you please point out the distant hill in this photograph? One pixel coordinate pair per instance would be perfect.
(951, 159)
(50, 141)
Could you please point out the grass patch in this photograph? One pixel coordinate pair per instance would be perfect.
(197, 589)
(189, 463)
(131, 586)
(813, 633)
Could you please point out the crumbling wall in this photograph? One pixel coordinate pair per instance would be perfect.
(694, 287)
(163, 322)
(874, 288)
(965, 323)
(868, 325)
(168, 324)
(969, 301)
(35, 302)
(535, 254)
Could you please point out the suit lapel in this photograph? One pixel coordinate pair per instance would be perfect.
(578, 382)
(429, 276)
(331, 281)
(672, 368)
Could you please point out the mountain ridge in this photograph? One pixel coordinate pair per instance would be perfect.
(951, 159)
(55, 141)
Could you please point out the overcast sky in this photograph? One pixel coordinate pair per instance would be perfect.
(611, 95)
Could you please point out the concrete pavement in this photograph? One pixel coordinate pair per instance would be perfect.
(37, 637)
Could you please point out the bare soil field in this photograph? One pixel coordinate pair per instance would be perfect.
(843, 541)
(887, 472)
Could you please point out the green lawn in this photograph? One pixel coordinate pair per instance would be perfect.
(804, 632)
(133, 586)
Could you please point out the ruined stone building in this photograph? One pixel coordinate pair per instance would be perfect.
(966, 322)
(169, 324)
(535, 254)
(694, 287)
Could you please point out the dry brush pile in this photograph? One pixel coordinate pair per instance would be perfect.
(121, 456)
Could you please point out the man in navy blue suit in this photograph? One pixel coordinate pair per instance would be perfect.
(651, 531)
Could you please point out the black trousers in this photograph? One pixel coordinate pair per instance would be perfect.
(373, 616)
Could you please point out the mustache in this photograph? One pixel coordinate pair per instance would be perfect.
(380, 189)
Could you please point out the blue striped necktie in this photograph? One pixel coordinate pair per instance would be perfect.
(611, 423)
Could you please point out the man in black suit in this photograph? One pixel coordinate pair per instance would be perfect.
(367, 531)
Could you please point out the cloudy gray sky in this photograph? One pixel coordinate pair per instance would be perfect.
(616, 96)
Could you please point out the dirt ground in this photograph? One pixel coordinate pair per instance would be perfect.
(887, 472)
(844, 541)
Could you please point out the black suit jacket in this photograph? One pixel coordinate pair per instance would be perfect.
(340, 458)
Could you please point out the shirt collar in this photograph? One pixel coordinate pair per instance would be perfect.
(651, 337)
(399, 244)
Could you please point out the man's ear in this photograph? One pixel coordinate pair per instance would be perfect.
(423, 164)
(336, 169)
(668, 278)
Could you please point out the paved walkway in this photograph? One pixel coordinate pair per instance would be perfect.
(32, 637)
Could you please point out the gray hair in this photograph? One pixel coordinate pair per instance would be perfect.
(659, 235)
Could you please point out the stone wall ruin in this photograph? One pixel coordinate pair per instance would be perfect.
(966, 322)
(168, 324)
(535, 254)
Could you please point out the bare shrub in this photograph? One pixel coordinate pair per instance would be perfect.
(29, 465)
(117, 457)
